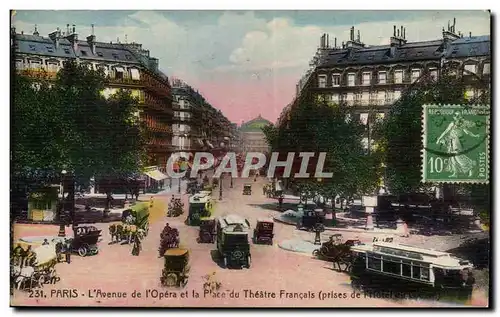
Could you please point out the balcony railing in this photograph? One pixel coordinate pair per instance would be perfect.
(124, 81)
(37, 73)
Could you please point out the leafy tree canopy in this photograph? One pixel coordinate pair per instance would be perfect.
(67, 124)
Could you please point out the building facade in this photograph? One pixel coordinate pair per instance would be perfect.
(371, 78)
(126, 66)
(252, 136)
(197, 125)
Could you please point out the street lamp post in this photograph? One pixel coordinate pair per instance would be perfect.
(229, 146)
(62, 224)
(220, 187)
(179, 189)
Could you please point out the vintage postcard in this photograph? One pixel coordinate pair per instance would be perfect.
(250, 159)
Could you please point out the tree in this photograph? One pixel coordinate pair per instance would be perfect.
(402, 130)
(316, 125)
(68, 124)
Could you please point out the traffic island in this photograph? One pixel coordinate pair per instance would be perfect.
(299, 246)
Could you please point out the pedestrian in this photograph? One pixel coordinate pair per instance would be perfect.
(45, 242)
(280, 202)
(406, 231)
(67, 250)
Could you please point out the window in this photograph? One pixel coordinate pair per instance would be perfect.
(99, 54)
(119, 71)
(52, 67)
(32, 47)
(336, 80)
(433, 73)
(35, 64)
(84, 53)
(415, 74)
(424, 273)
(350, 97)
(381, 97)
(50, 49)
(66, 50)
(366, 78)
(397, 94)
(128, 57)
(115, 56)
(374, 263)
(351, 79)
(363, 118)
(135, 74)
(104, 69)
(365, 97)
(19, 64)
(398, 76)
(392, 267)
(389, 96)
(406, 270)
(382, 78)
(470, 69)
(321, 81)
(416, 272)
(486, 68)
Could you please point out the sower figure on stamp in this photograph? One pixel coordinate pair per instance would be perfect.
(451, 138)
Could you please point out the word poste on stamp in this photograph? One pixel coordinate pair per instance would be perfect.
(456, 143)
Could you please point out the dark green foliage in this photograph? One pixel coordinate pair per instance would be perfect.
(67, 124)
(402, 130)
(318, 126)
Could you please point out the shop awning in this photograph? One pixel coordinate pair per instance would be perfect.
(135, 74)
(119, 69)
(156, 175)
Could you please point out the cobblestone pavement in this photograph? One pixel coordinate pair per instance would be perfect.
(295, 280)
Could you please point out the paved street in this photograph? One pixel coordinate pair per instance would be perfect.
(296, 279)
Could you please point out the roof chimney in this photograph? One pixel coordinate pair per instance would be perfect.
(399, 37)
(55, 37)
(450, 35)
(355, 43)
(72, 37)
(91, 41)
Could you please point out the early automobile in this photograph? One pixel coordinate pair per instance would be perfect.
(232, 241)
(207, 230)
(263, 232)
(310, 220)
(247, 189)
(175, 272)
(200, 206)
(85, 240)
(407, 268)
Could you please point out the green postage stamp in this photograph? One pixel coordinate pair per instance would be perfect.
(456, 144)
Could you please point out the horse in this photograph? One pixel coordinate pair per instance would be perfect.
(116, 232)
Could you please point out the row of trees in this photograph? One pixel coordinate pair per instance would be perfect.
(67, 124)
(319, 126)
(316, 125)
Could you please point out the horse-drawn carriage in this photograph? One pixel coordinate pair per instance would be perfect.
(175, 207)
(33, 266)
(133, 224)
(337, 251)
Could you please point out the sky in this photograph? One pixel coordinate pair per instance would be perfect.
(246, 63)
